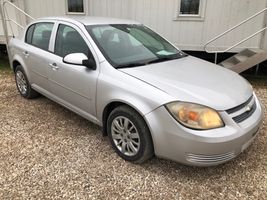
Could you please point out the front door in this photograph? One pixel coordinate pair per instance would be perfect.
(73, 85)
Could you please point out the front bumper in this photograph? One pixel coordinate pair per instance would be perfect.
(201, 148)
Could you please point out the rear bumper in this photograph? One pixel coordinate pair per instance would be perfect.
(202, 148)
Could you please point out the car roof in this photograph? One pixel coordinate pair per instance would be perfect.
(89, 20)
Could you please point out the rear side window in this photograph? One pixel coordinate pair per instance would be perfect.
(68, 41)
(28, 38)
(41, 35)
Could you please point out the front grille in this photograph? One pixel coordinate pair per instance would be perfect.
(210, 159)
(245, 115)
(243, 111)
(237, 108)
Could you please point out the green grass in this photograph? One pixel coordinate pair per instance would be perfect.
(4, 64)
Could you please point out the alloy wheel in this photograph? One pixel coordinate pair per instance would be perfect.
(21, 82)
(125, 136)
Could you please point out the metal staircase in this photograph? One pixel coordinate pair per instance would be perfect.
(7, 21)
(245, 59)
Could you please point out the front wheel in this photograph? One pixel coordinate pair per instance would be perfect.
(129, 135)
(23, 84)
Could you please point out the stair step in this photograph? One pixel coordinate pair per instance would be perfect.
(257, 50)
(230, 61)
(251, 52)
(245, 59)
(241, 58)
(248, 52)
(227, 64)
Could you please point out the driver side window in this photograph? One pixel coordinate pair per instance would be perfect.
(68, 41)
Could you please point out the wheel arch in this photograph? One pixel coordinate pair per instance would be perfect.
(111, 106)
(16, 61)
(15, 64)
(114, 104)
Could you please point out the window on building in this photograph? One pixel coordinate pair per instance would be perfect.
(75, 6)
(190, 7)
(191, 10)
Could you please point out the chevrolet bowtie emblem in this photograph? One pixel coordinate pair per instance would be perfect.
(248, 108)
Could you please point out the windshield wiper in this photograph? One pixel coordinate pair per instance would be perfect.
(166, 58)
(130, 65)
(157, 60)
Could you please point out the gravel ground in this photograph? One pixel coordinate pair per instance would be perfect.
(48, 152)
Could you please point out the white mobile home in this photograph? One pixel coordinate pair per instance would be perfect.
(187, 23)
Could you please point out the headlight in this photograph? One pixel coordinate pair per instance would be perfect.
(195, 116)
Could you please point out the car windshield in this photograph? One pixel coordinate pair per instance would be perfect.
(131, 45)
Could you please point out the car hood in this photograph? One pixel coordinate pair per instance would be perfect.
(194, 80)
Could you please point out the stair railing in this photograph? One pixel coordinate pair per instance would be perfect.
(231, 29)
(5, 18)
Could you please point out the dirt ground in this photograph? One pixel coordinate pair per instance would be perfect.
(48, 152)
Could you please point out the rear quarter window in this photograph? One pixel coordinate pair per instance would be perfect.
(39, 35)
(29, 33)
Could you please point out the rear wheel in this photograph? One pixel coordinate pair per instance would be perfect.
(23, 84)
(129, 135)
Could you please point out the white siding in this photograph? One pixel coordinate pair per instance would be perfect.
(12, 28)
(160, 15)
(190, 35)
(42, 8)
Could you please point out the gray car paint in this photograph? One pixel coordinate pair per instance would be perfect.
(146, 89)
(191, 79)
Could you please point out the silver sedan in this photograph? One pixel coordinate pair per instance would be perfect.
(149, 97)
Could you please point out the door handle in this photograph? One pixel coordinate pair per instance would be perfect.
(54, 66)
(26, 54)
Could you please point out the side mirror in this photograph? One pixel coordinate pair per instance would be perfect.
(80, 59)
(90, 63)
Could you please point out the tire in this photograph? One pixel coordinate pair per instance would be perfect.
(23, 84)
(129, 135)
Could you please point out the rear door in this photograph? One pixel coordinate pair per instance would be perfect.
(36, 53)
(73, 85)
